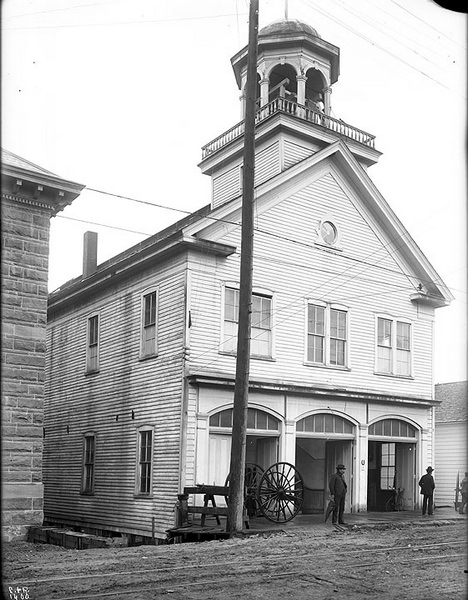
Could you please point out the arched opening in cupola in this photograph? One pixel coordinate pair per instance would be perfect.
(315, 85)
(283, 83)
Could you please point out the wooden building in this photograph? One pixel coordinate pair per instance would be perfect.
(31, 195)
(141, 359)
(451, 432)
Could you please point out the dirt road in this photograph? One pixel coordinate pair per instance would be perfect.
(419, 562)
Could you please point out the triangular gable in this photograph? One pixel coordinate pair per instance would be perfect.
(13, 160)
(336, 159)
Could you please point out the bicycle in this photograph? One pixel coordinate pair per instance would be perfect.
(395, 502)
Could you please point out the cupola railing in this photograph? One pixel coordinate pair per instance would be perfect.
(285, 106)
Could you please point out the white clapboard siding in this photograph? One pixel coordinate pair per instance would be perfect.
(228, 185)
(289, 263)
(294, 153)
(267, 163)
(450, 458)
(103, 403)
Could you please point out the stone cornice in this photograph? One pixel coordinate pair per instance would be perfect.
(30, 201)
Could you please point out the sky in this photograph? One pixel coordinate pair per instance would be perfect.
(120, 96)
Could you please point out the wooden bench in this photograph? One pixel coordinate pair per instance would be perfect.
(187, 526)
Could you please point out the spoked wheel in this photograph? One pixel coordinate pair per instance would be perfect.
(280, 492)
(253, 474)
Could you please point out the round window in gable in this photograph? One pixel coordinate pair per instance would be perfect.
(328, 232)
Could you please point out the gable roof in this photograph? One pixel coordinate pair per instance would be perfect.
(13, 160)
(197, 228)
(453, 398)
(358, 183)
(24, 181)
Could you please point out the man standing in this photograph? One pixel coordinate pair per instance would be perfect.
(464, 493)
(338, 489)
(427, 485)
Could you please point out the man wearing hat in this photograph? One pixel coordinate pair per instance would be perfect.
(338, 488)
(464, 493)
(427, 485)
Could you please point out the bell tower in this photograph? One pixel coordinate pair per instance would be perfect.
(294, 63)
(296, 70)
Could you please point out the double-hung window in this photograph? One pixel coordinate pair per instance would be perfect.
(89, 448)
(145, 461)
(92, 349)
(327, 335)
(387, 467)
(149, 324)
(393, 346)
(261, 334)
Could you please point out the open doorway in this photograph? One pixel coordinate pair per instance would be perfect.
(391, 465)
(316, 461)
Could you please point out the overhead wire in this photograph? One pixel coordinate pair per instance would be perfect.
(419, 30)
(112, 24)
(371, 42)
(391, 32)
(256, 228)
(425, 23)
(61, 9)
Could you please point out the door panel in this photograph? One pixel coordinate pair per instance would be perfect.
(267, 452)
(220, 459)
(340, 452)
(310, 462)
(405, 469)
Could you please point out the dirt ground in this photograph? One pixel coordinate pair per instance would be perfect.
(414, 562)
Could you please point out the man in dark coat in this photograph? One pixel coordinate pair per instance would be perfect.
(338, 488)
(427, 485)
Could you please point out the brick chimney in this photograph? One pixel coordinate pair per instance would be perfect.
(90, 241)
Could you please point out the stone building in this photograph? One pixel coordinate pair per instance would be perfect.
(30, 197)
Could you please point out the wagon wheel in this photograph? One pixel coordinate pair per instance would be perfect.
(280, 492)
(252, 477)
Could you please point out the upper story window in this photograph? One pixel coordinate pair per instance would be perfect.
(149, 324)
(92, 348)
(261, 334)
(393, 355)
(328, 232)
(327, 335)
(145, 461)
(89, 447)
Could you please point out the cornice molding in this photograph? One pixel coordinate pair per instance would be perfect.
(30, 201)
(227, 381)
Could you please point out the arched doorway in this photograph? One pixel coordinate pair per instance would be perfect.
(391, 463)
(323, 440)
(263, 435)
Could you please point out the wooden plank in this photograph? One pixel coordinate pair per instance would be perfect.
(212, 490)
(208, 510)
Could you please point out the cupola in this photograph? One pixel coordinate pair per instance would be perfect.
(294, 63)
(296, 69)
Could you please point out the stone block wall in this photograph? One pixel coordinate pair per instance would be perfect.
(25, 250)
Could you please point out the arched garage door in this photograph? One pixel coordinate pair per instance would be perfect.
(391, 462)
(263, 434)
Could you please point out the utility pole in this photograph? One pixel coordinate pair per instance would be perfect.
(241, 389)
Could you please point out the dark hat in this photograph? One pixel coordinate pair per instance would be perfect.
(340, 467)
(429, 469)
